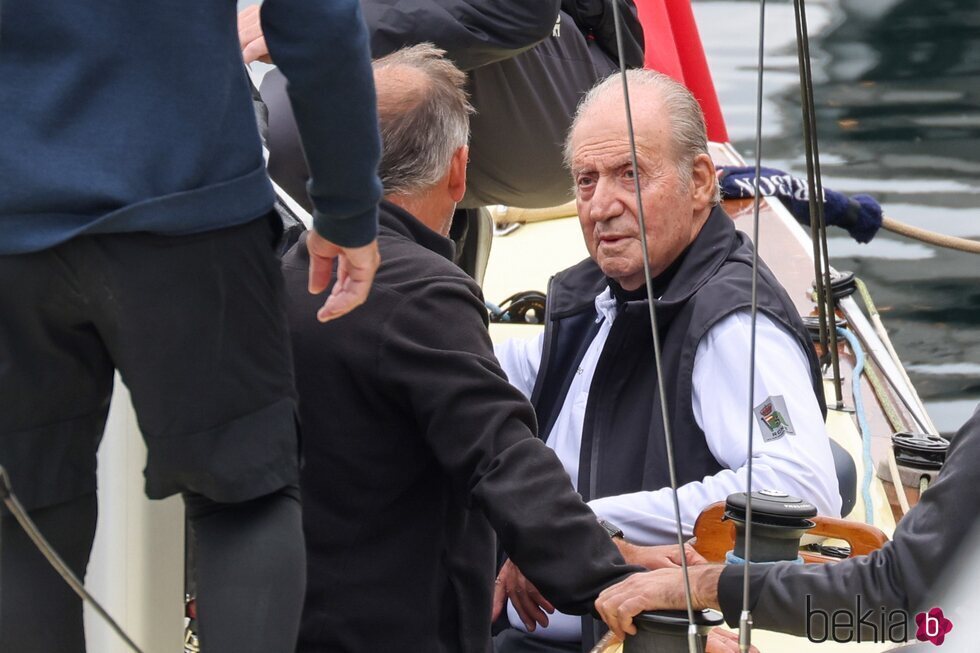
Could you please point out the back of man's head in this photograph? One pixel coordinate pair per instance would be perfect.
(423, 112)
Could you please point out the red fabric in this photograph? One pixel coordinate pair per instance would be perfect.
(673, 47)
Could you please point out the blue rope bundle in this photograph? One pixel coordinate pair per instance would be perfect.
(860, 215)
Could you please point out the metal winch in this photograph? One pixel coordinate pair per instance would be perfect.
(920, 456)
(665, 631)
(778, 522)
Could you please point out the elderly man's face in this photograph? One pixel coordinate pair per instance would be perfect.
(674, 207)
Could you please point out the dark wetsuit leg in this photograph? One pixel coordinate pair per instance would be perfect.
(39, 613)
(251, 572)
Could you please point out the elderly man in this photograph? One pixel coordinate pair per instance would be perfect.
(417, 448)
(591, 375)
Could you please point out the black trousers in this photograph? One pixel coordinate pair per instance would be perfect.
(195, 325)
(251, 572)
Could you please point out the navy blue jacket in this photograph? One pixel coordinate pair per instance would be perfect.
(136, 116)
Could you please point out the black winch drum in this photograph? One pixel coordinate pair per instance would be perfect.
(665, 631)
(778, 523)
(920, 450)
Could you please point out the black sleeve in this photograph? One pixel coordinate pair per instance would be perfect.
(595, 18)
(436, 355)
(901, 575)
(321, 48)
(473, 32)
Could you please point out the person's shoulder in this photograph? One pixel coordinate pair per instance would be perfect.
(731, 283)
(586, 269)
(727, 289)
(735, 328)
(419, 279)
(405, 262)
(576, 287)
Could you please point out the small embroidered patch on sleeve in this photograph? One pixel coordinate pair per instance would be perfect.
(773, 418)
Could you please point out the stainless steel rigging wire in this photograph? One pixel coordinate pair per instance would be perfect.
(17, 510)
(692, 632)
(825, 300)
(745, 619)
(826, 304)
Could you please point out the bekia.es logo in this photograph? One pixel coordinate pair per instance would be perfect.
(869, 625)
(932, 626)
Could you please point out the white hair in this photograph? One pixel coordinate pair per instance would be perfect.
(688, 132)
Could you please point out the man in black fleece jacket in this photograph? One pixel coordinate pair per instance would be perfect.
(416, 447)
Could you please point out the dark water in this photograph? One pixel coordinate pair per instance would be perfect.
(897, 89)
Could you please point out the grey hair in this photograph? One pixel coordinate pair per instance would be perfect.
(688, 131)
(424, 117)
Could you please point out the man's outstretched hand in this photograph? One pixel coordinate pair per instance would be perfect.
(657, 557)
(355, 273)
(724, 641)
(662, 589)
(250, 36)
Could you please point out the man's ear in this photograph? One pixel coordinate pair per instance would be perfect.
(457, 173)
(703, 181)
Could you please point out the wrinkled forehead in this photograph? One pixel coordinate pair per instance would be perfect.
(601, 130)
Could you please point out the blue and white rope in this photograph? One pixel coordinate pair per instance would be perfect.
(867, 462)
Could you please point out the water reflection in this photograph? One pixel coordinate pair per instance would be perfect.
(897, 87)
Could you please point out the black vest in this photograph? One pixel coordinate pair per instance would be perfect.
(623, 446)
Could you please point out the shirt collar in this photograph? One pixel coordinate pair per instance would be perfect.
(606, 305)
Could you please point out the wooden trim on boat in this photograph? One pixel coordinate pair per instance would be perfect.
(715, 536)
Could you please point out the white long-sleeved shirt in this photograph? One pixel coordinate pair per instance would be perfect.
(799, 463)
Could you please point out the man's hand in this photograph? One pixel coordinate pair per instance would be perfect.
(724, 641)
(657, 557)
(355, 272)
(531, 606)
(656, 590)
(250, 36)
